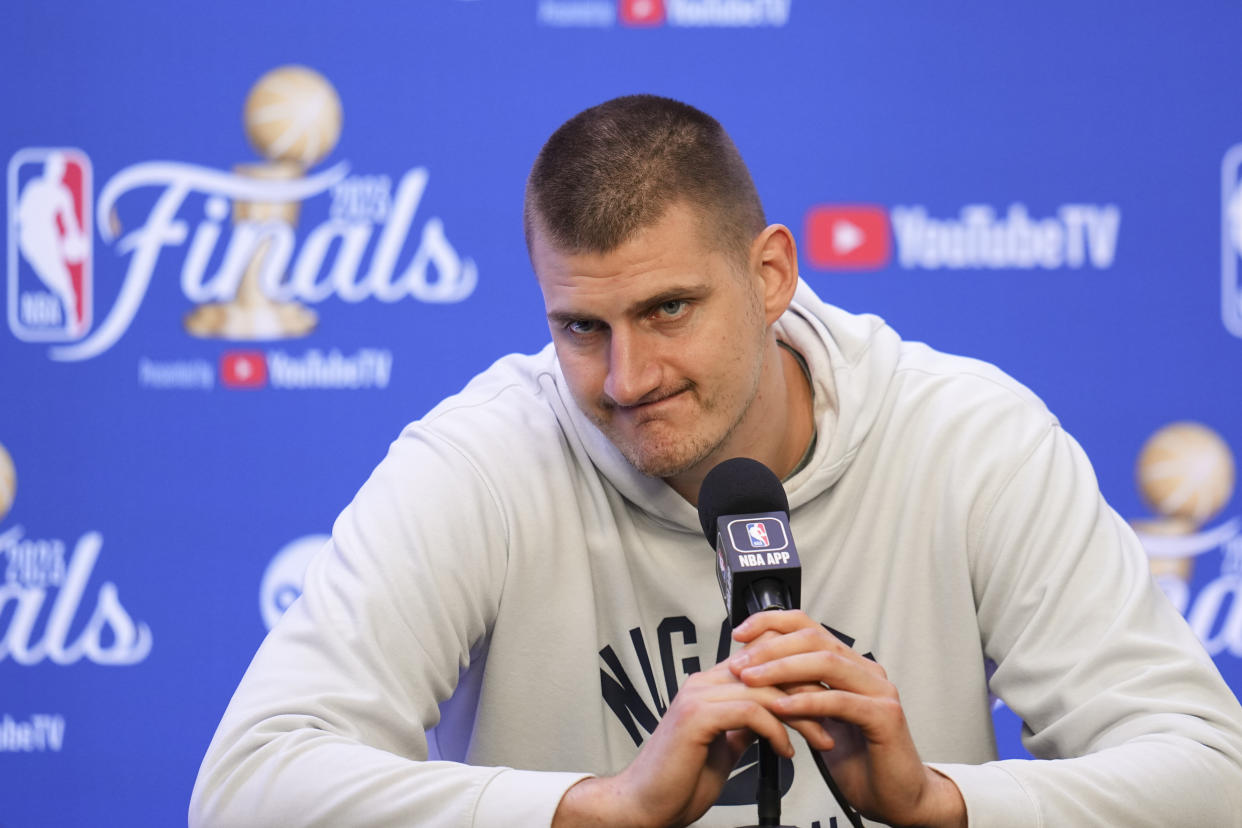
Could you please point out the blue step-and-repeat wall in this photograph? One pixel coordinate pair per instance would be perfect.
(188, 399)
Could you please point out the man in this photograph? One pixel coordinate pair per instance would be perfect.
(526, 565)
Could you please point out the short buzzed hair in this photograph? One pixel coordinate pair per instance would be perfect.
(615, 168)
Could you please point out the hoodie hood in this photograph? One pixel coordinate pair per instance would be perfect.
(851, 358)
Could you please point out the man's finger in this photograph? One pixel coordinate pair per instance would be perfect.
(819, 667)
(714, 701)
(877, 718)
(768, 646)
(781, 621)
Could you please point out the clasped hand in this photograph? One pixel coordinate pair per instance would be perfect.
(844, 706)
(791, 672)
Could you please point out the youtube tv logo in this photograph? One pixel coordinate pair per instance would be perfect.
(641, 12)
(243, 369)
(848, 237)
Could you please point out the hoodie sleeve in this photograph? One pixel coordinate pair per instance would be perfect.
(1096, 662)
(329, 724)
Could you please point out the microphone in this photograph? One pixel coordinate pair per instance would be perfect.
(744, 513)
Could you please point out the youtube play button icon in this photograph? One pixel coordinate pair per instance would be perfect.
(243, 369)
(848, 237)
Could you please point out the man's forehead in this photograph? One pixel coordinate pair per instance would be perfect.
(660, 261)
(570, 283)
(694, 223)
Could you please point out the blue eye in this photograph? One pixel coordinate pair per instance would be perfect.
(582, 327)
(672, 307)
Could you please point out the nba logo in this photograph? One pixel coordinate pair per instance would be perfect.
(758, 535)
(49, 255)
(1231, 240)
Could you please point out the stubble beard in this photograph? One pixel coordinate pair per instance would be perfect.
(665, 454)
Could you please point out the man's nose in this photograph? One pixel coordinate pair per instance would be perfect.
(633, 371)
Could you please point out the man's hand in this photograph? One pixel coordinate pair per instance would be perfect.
(681, 770)
(852, 714)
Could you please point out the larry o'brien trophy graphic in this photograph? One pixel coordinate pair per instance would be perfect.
(1185, 473)
(292, 117)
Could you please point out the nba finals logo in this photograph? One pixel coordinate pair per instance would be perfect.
(49, 255)
(44, 585)
(246, 270)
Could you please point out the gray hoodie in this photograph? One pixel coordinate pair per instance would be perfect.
(507, 606)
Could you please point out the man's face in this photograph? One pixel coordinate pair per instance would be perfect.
(661, 340)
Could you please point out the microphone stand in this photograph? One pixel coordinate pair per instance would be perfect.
(768, 795)
(768, 594)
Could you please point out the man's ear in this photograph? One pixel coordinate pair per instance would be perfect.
(774, 257)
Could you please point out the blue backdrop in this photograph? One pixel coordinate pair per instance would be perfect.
(1045, 186)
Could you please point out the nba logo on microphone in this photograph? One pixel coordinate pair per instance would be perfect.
(49, 249)
(758, 534)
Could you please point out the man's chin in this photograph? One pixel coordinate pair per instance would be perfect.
(662, 464)
(657, 450)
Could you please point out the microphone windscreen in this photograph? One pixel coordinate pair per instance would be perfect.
(740, 486)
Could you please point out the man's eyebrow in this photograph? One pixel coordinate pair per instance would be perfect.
(564, 317)
(681, 292)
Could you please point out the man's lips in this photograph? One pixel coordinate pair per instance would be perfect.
(645, 405)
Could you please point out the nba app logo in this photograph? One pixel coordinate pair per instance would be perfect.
(758, 534)
(49, 255)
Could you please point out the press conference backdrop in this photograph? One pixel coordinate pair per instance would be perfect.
(246, 242)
